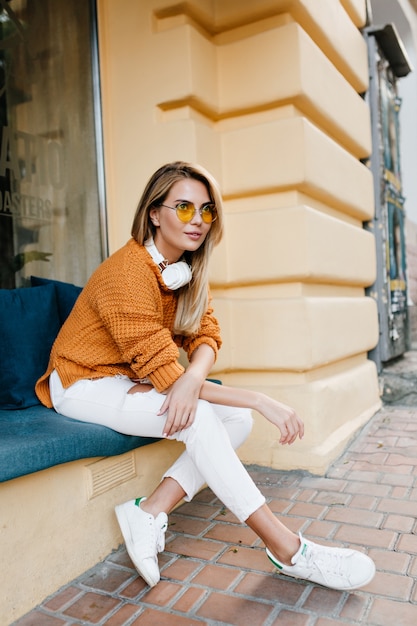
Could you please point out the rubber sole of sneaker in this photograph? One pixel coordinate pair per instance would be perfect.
(125, 528)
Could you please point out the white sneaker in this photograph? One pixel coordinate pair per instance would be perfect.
(144, 537)
(336, 568)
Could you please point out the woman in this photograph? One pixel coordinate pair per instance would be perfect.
(115, 362)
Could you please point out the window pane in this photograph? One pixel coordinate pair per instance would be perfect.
(51, 214)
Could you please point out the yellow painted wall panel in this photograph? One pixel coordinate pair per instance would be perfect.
(288, 153)
(338, 37)
(186, 65)
(295, 243)
(137, 140)
(356, 9)
(301, 73)
(333, 408)
(338, 108)
(334, 29)
(295, 334)
(261, 68)
(342, 178)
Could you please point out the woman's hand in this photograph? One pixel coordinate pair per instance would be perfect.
(180, 403)
(182, 397)
(282, 416)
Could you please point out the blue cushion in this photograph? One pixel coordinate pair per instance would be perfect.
(37, 438)
(29, 323)
(66, 294)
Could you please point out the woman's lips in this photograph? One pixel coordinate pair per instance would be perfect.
(194, 236)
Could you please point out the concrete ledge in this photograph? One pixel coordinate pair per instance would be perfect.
(57, 523)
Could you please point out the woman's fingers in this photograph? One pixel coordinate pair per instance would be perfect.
(178, 420)
(292, 428)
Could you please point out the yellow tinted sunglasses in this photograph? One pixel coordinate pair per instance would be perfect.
(186, 210)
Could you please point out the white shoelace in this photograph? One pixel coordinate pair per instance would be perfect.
(325, 561)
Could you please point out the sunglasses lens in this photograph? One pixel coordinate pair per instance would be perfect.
(208, 213)
(185, 211)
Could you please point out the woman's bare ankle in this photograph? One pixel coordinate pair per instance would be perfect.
(277, 537)
(165, 497)
(148, 505)
(284, 554)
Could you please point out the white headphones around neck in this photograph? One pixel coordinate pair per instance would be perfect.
(174, 275)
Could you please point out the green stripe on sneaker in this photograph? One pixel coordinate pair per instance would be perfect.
(274, 562)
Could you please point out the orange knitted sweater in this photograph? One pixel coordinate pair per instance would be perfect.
(122, 323)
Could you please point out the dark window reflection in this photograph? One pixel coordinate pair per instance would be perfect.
(49, 198)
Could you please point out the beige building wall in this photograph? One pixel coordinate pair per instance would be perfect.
(266, 95)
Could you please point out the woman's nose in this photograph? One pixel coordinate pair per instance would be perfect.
(196, 219)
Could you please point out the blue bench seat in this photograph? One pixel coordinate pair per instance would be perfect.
(35, 438)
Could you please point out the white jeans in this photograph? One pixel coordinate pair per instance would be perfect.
(210, 441)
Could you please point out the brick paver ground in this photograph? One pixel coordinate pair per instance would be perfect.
(214, 570)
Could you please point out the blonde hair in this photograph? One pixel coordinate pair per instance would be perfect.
(192, 298)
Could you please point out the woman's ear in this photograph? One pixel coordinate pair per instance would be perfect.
(154, 215)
